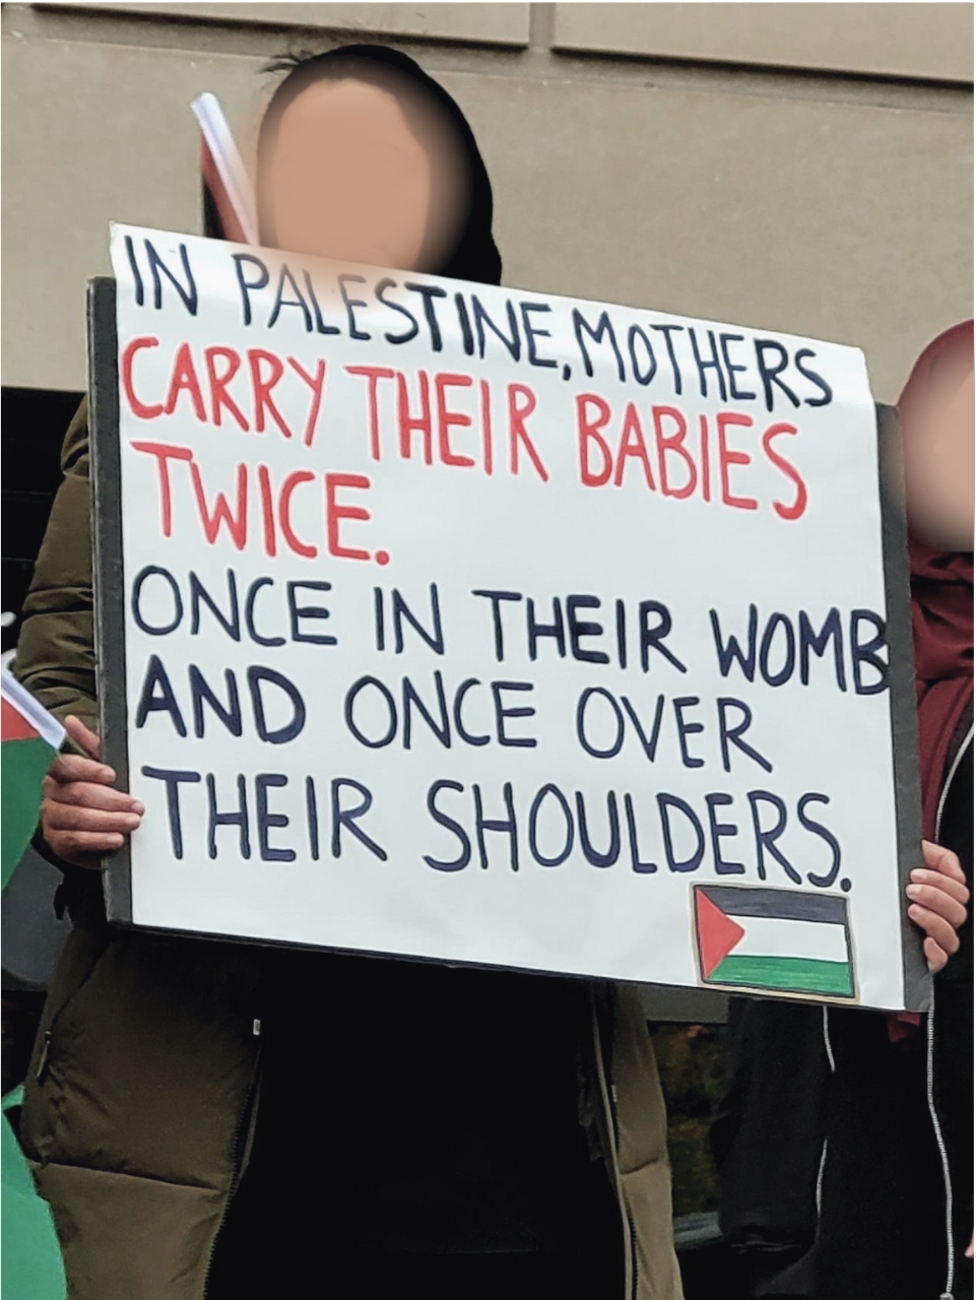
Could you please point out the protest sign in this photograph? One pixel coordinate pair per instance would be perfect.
(486, 626)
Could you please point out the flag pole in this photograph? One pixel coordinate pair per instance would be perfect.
(231, 171)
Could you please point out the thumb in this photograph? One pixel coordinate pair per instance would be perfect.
(80, 734)
(938, 858)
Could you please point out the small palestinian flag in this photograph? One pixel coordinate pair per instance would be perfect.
(774, 940)
(32, 1266)
(227, 193)
(31, 739)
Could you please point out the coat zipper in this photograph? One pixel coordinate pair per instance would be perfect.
(951, 1259)
(944, 793)
(239, 1146)
(43, 1060)
(45, 1053)
(829, 1052)
(633, 1240)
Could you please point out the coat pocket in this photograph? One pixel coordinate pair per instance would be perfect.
(80, 958)
(150, 1059)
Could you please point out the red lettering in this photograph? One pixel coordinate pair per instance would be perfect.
(588, 433)
(451, 419)
(128, 356)
(219, 396)
(184, 380)
(262, 388)
(163, 454)
(407, 423)
(267, 511)
(486, 426)
(373, 374)
(727, 458)
(704, 448)
(285, 512)
(335, 512)
(799, 505)
(673, 442)
(518, 414)
(632, 444)
(318, 386)
(238, 528)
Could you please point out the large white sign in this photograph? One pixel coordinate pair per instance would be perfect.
(480, 625)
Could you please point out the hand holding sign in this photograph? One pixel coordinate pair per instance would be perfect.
(82, 816)
(938, 903)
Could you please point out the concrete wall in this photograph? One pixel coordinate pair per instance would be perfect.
(799, 166)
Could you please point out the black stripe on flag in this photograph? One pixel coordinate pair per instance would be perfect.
(788, 904)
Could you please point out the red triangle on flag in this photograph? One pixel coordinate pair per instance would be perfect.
(13, 725)
(718, 933)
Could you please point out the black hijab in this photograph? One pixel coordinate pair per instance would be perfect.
(473, 255)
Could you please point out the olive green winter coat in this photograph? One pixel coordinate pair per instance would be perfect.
(145, 1083)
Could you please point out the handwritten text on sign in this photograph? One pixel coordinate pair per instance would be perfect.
(468, 623)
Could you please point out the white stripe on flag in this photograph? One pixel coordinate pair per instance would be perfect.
(48, 727)
(773, 936)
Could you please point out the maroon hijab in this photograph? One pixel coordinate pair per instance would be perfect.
(943, 610)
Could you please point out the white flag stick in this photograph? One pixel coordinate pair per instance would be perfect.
(227, 160)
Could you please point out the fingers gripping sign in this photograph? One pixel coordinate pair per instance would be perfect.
(938, 898)
(82, 815)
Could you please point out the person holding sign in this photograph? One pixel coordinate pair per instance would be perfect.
(916, 1080)
(845, 1143)
(209, 1117)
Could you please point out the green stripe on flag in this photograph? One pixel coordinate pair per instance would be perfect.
(790, 974)
(24, 767)
(32, 1267)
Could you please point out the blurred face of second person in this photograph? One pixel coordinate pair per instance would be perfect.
(939, 452)
(349, 177)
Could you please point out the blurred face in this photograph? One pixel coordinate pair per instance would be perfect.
(939, 459)
(348, 178)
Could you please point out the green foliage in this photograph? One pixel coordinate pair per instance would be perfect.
(690, 1062)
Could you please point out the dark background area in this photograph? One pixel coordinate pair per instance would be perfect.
(34, 424)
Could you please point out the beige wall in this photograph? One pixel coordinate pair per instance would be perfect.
(804, 167)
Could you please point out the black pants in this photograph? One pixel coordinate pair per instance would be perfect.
(286, 1237)
(295, 1229)
(282, 1269)
(304, 1223)
(329, 1205)
(883, 1223)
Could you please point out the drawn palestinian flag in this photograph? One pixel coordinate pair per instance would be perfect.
(30, 740)
(774, 940)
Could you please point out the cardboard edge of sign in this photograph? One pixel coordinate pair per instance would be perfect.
(917, 982)
(109, 599)
(108, 572)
